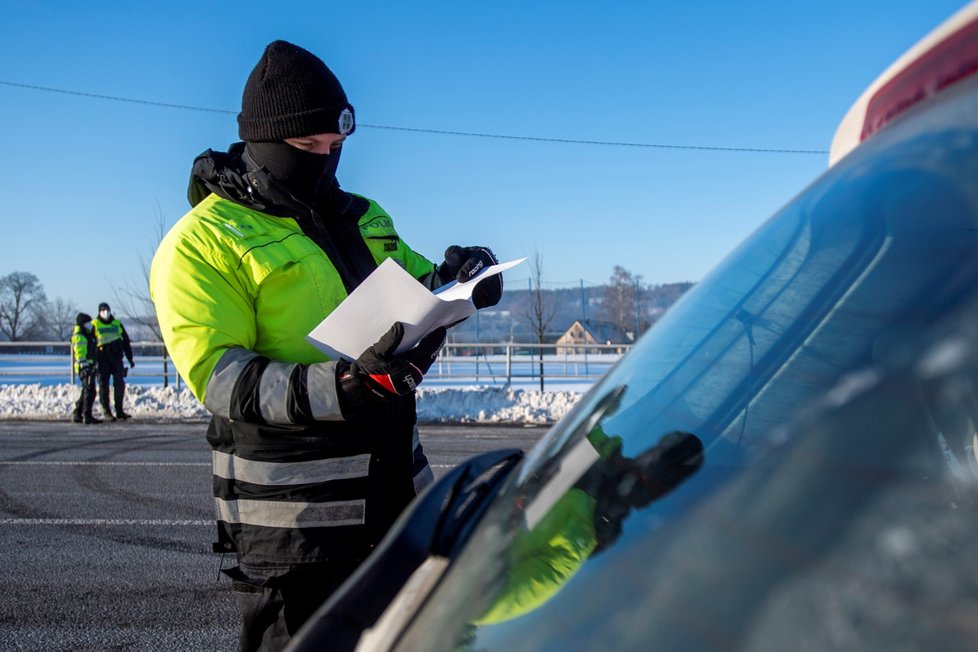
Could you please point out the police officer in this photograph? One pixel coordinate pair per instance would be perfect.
(313, 459)
(113, 344)
(83, 349)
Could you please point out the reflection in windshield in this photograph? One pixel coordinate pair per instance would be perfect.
(579, 512)
(703, 365)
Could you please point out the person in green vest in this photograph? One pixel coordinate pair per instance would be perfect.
(313, 458)
(83, 352)
(113, 344)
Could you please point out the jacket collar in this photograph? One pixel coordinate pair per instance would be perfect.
(235, 176)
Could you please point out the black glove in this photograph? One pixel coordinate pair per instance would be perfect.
(463, 263)
(378, 374)
(86, 370)
(131, 364)
(664, 467)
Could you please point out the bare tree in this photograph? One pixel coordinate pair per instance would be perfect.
(58, 319)
(21, 297)
(132, 299)
(622, 306)
(540, 308)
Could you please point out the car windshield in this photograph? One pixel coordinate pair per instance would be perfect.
(792, 427)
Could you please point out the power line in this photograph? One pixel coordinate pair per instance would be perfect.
(607, 143)
(440, 132)
(115, 98)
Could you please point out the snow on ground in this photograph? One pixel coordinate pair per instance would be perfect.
(477, 404)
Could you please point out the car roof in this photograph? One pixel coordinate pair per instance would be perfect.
(938, 61)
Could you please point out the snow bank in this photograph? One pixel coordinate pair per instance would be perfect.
(493, 405)
(442, 405)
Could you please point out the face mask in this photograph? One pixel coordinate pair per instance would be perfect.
(89, 326)
(299, 171)
(105, 315)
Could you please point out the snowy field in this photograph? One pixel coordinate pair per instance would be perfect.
(474, 404)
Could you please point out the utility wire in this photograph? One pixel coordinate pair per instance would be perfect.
(570, 141)
(113, 98)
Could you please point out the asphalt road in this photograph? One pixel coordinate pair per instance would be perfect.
(105, 533)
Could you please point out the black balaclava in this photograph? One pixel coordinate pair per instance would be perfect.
(300, 171)
(291, 93)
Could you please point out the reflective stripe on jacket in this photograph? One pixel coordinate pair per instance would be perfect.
(236, 292)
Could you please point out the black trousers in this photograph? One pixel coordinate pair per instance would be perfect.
(111, 367)
(83, 406)
(273, 610)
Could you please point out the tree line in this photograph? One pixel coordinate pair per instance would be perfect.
(617, 312)
(26, 314)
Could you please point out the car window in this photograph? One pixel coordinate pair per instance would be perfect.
(746, 318)
(802, 420)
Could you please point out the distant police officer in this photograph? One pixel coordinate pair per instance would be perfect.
(113, 343)
(83, 348)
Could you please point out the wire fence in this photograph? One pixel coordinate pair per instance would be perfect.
(459, 363)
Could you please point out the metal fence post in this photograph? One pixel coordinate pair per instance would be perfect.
(166, 368)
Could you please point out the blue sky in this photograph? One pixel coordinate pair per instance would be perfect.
(85, 180)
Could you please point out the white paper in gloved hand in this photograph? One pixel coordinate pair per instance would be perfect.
(389, 295)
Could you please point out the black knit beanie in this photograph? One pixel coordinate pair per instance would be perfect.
(82, 318)
(291, 93)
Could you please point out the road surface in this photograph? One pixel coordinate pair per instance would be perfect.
(105, 532)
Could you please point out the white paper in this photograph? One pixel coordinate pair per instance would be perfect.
(388, 295)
